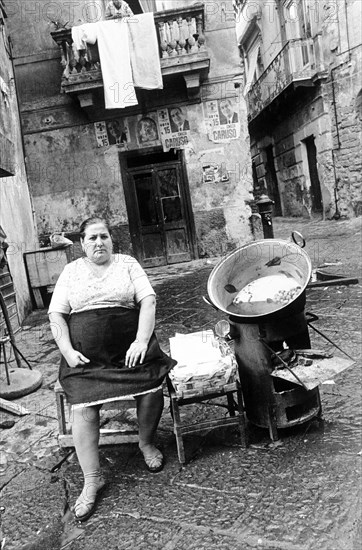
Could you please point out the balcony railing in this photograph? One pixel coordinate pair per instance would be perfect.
(299, 62)
(182, 49)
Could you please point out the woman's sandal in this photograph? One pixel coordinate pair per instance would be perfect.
(89, 504)
(154, 461)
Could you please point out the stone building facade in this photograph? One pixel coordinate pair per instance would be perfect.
(16, 216)
(303, 89)
(170, 193)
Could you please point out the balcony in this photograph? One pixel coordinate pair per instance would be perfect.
(182, 50)
(299, 63)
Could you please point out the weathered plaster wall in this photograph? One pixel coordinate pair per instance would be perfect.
(87, 179)
(70, 173)
(259, 14)
(16, 216)
(330, 112)
(220, 208)
(72, 178)
(272, 43)
(307, 118)
(342, 37)
(344, 86)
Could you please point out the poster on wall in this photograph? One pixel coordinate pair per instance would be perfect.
(174, 128)
(112, 132)
(146, 131)
(215, 173)
(222, 120)
(118, 132)
(101, 134)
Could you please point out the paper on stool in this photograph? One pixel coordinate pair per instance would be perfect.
(195, 348)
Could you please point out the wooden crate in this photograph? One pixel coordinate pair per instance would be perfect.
(44, 267)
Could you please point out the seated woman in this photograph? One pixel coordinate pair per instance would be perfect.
(116, 9)
(102, 316)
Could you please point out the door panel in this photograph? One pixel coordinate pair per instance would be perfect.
(153, 250)
(171, 209)
(149, 233)
(159, 223)
(176, 243)
(177, 246)
(146, 199)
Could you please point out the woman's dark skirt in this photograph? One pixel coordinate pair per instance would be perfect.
(104, 336)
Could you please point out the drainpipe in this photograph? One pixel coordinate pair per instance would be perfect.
(347, 33)
(337, 213)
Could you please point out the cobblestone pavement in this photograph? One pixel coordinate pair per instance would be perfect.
(301, 492)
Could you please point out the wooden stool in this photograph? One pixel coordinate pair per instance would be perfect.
(107, 437)
(228, 391)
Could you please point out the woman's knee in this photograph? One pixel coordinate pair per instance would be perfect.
(151, 397)
(85, 415)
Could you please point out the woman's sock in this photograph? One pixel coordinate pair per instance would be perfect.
(93, 481)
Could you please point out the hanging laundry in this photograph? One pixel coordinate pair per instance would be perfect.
(144, 51)
(128, 53)
(114, 55)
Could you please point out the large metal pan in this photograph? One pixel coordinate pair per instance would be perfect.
(252, 261)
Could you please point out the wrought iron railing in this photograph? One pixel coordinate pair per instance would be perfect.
(300, 60)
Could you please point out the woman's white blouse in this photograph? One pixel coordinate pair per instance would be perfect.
(78, 289)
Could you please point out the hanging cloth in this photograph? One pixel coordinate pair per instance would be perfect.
(114, 55)
(129, 56)
(144, 52)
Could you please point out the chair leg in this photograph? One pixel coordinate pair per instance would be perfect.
(177, 430)
(242, 424)
(231, 404)
(61, 413)
(2, 347)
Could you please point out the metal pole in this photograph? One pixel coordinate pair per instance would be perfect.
(265, 207)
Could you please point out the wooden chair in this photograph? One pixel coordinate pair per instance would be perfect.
(233, 394)
(107, 436)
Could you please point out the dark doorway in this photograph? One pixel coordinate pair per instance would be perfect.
(272, 180)
(315, 190)
(159, 208)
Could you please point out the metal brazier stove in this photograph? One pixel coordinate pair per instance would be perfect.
(261, 330)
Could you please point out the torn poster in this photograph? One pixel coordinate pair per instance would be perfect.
(174, 128)
(101, 134)
(222, 120)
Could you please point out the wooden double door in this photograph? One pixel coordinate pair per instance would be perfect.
(159, 213)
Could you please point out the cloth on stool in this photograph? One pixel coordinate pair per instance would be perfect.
(104, 336)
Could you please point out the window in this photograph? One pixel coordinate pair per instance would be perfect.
(358, 105)
(297, 19)
(252, 61)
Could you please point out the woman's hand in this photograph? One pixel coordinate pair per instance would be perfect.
(75, 359)
(135, 354)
